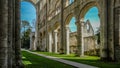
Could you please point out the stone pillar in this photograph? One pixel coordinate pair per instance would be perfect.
(50, 42)
(62, 27)
(103, 31)
(3, 33)
(119, 29)
(79, 37)
(13, 37)
(82, 32)
(10, 32)
(35, 41)
(36, 28)
(30, 41)
(67, 40)
(110, 30)
(117, 34)
(17, 35)
(107, 30)
(55, 40)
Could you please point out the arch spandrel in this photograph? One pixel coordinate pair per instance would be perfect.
(56, 25)
(68, 18)
(87, 7)
(34, 2)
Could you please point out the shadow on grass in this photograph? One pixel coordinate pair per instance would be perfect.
(34, 61)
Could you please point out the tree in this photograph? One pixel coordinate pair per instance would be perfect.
(24, 26)
(26, 38)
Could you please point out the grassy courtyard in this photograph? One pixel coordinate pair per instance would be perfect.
(90, 60)
(34, 61)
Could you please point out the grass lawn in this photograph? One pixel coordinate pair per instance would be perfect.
(90, 60)
(34, 61)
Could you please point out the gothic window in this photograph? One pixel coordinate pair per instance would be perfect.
(88, 27)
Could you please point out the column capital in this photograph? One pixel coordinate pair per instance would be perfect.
(55, 31)
(79, 22)
(67, 26)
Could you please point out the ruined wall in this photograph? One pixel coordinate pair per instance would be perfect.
(73, 42)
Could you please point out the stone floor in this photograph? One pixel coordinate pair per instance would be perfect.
(75, 64)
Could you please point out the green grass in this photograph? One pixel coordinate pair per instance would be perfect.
(90, 60)
(35, 61)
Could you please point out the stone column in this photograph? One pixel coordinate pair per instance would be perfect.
(117, 34)
(79, 37)
(62, 27)
(103, 34)
(17, 35)
(55, 40)
(10, 32)
(13, 37)
(119, 29)
(67, 40)
(82, 32)
(30, 41)
(36, 29)
(50, 42)
(3, 33)
(110, 29)
(35, 41)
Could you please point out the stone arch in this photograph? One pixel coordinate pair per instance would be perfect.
(86, 7)
(30, 1)
(56, 26)
(83, 10)
(68, 18)
(49, 28)
(57, 3)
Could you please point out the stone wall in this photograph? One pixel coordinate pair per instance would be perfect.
(73, 42)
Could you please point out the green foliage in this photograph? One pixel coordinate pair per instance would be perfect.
(34, 61)
(25, 24)
(26, 39)
(25, 35)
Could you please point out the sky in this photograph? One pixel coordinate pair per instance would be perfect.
(92, 16)
(28, 13)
